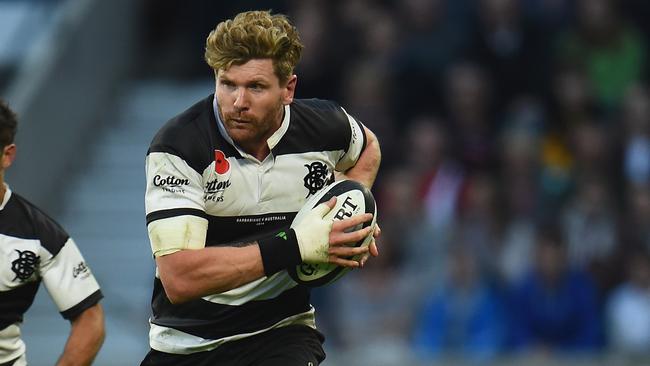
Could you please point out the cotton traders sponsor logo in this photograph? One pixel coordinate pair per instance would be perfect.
(170, 183)
(214, 190)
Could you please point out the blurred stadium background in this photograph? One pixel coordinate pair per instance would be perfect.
(514, 193)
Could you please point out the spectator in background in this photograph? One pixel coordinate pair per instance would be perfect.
(479, 221)
(590, 228)
(462, 318)
(554, 309)
(636, 136)
(438, 180)
(365, 90)
(430, 44)
(635, 228)
(628, 310)
(549, 15)
(600, 43)
(519, 162)
(571, 104)
(508, 47)
(468, 104)
(591, 150)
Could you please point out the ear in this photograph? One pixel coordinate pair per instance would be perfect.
(8, 155)
(289, 90)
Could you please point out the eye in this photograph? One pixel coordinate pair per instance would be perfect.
(256, 87)
(227, 83)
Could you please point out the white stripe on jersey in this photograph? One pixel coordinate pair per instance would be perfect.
(67, 277)
(356, 144)
(244, 191)
(11, 346)
(170, 340)
(261, 289)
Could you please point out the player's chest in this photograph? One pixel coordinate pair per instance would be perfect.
(278, 184)
(19, 261)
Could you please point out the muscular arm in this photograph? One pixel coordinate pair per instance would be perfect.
(193, 273)
(365, 170)
(86, 337)
(189, 274)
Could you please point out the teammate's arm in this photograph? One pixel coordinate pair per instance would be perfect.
(85, 339)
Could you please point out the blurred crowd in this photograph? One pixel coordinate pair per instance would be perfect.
(514, 193)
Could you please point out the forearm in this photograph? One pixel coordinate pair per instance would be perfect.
(191, 274)
(86, 337)
(367, 166)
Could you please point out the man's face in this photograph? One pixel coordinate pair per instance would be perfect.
(251, 101)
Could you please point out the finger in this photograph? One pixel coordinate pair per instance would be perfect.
(373, 249)
(347, 251)
(339, 237)
(343, 262)
(377, 231)
(351, 222)
(323, 208)
(364, 259)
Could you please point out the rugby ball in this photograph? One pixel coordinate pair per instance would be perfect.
(352, 198)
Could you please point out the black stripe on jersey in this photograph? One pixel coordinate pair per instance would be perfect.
(316, 125)
(89, 301)
(213, 321)
(173, 212)
(229, 230)
(14, 303)
(243, 229)
(21, 219)
(193, 136)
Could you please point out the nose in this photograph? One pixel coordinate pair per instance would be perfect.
(241, 99)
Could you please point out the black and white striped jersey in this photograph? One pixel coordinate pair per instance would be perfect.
(194, 170)
(35, 249)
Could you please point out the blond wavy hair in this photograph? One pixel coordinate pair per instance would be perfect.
(255, 35)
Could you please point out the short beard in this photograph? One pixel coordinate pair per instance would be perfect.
(269, 120)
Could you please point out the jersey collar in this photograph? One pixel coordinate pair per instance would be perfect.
(5, 199)
(272, 141)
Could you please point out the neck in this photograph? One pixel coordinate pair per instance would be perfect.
(261, 150)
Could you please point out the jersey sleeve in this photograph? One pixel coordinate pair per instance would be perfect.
(356, 146)
(68, 280)
(174, 204)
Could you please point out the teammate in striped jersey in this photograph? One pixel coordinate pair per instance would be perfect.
(225, 178)
(35, 249)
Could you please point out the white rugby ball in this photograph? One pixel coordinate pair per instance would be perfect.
(352, 198)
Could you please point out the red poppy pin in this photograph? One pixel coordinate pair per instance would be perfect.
(221, 164)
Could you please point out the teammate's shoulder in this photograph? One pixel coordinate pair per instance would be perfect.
(27, 221)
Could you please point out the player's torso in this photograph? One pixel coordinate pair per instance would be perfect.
(245, 198)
